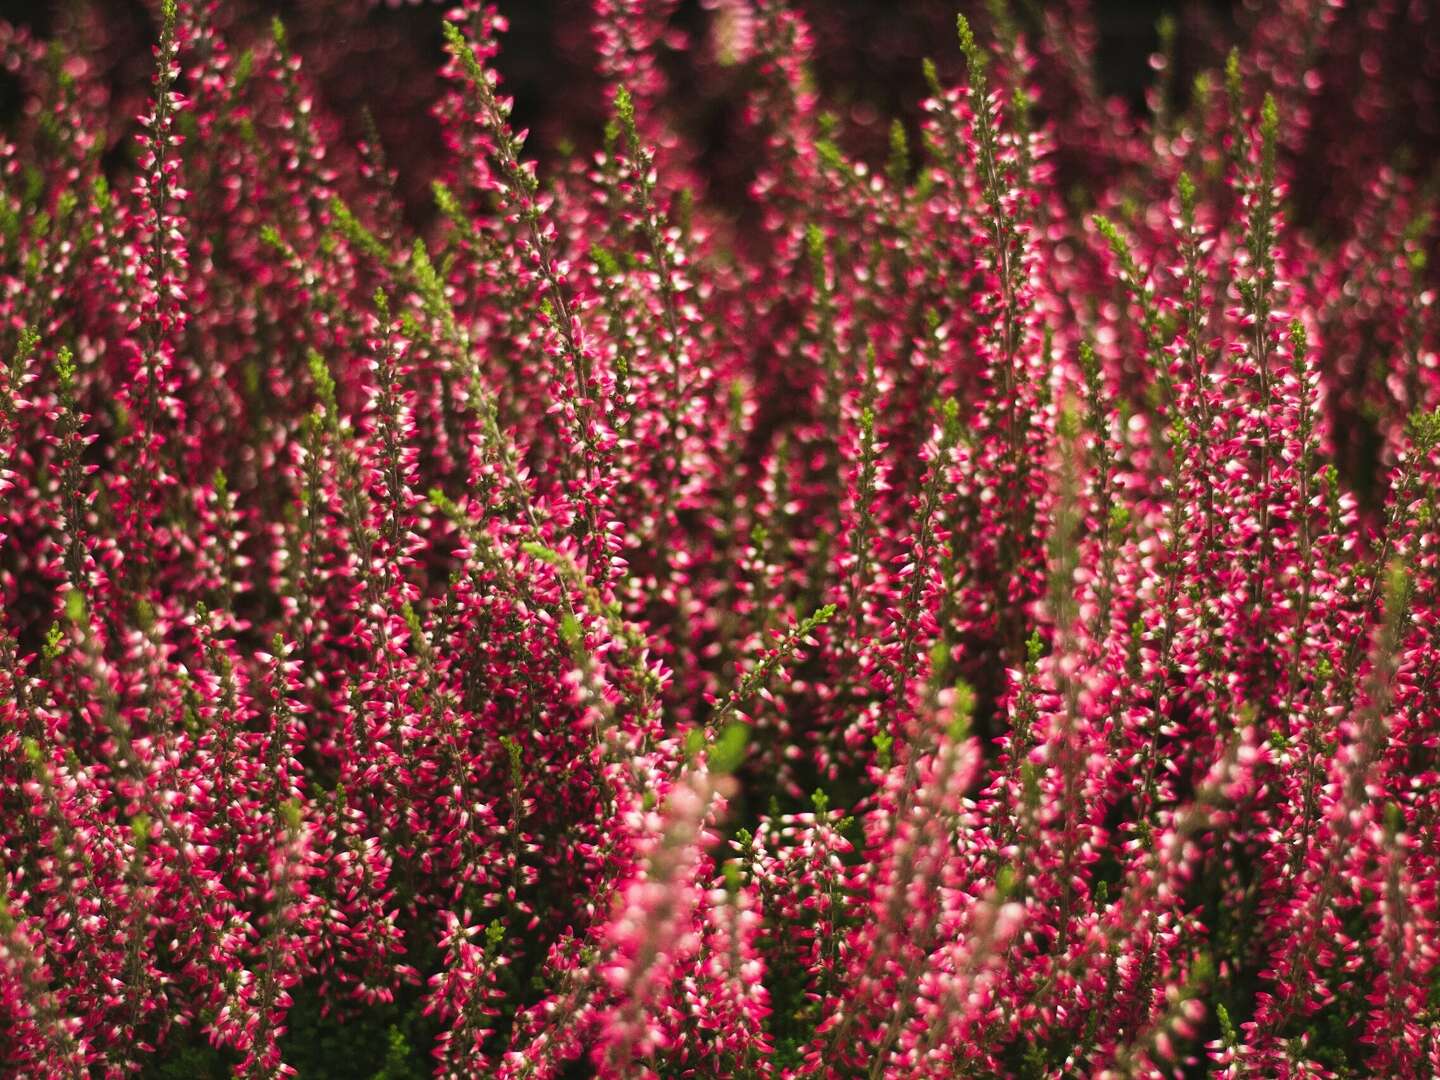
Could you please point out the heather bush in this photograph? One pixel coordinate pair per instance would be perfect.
(969, 610)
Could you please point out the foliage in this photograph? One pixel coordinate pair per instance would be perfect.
(970, 615)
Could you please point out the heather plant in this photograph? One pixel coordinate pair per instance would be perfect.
(965, 608)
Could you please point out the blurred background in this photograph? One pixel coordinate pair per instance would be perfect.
(380, 58)
(1378, 74)
(383, 57)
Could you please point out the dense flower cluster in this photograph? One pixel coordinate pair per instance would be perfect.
(971, 615)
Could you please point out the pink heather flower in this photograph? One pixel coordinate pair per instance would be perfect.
(687, 605)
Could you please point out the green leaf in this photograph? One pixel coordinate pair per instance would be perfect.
(728, 750)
